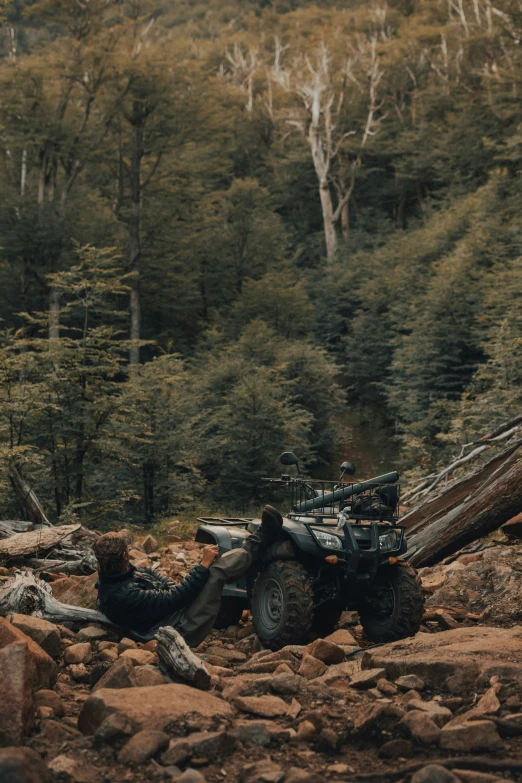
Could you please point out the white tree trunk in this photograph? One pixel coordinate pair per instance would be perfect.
(27, 595)
(330, 235)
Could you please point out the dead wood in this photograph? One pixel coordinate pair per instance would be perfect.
(473, 763)
(27, 498)
(35, 541)
(177, 660)
(470, 509)
(26, 594)
(83, 566)
(469, 452)
(8, 527)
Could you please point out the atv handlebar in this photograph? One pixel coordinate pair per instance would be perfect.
(345, 492)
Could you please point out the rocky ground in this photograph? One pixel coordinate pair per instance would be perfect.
(83, 705)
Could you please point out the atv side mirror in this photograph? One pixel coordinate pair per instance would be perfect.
(347, 467)
(288, 458)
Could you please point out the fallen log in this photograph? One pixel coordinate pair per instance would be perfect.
(504, 432)
(471, 508)
(26, 594)
(177, 660)
(8, 527)
(27, 497)
(34, 541)
(81, 567)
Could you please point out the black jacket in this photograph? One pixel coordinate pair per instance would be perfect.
(140, 598)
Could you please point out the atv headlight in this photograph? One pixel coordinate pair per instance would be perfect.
(327, 540)
(389, 541)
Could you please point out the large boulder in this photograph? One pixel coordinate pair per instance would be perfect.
(473, 737)
(453, 659)
(42, 669)
(149, 708)
(41, 631)
(16, 699)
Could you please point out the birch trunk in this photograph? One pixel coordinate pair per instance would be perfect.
(330, 234)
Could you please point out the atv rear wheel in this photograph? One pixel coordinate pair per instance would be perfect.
(394, 607)
(282, 604)
(230, 612)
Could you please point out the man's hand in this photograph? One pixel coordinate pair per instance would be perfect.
(210, 553)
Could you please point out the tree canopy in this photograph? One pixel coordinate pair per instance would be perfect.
(224, 224)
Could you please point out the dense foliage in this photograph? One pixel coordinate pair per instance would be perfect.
(222, 223)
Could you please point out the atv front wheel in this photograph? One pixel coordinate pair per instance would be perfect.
(282, 604)
(394, 606)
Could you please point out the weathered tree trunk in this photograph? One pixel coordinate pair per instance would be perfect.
(177, 660)
(330, 234)
(8, 527)
(35, 541)
(470, 509)
(27, 497)
(25, 594)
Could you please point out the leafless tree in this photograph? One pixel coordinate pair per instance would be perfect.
(325, 92)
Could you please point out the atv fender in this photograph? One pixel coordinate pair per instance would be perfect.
(226, 538)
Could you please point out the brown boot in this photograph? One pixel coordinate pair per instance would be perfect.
(271, 523)
(266, 534)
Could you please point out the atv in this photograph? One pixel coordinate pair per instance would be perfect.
(340, 548)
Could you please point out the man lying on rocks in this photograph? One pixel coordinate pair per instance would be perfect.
(142, 602)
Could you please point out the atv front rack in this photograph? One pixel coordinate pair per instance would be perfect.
(375, 499)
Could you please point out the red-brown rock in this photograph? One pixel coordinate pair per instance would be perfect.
(151, 708)
(420, 727)
(47, 698)
(44, 633)
(454, 659)
(140, 657)
(143, 746)
(144, 676)
(77, 590)
(475, 736)
(327, 652)
(78, 653)
(16, 701)
(43, 669)
(264, 706)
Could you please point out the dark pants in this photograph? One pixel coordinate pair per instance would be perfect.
(196, 621)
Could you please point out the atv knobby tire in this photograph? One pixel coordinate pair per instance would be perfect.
(400, 589)
(282, 604)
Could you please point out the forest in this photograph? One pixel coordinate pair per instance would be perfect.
(231, 228)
